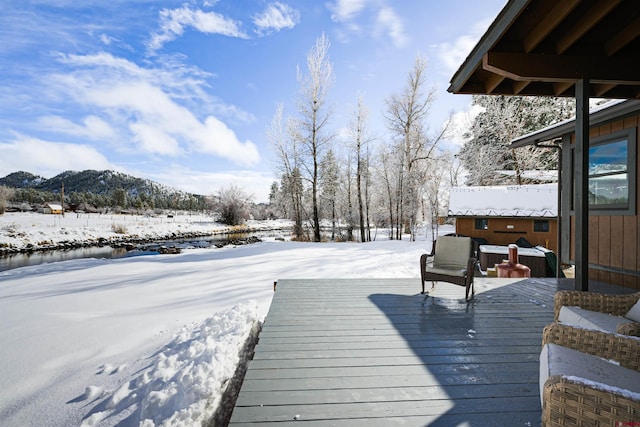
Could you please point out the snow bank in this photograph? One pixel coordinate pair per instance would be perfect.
(187, 377)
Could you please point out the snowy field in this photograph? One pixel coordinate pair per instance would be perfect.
(150, 340)
(19, 230)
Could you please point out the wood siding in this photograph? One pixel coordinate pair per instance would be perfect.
(614, 240)
(499, 233)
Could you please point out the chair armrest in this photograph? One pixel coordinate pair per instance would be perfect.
(618, 305)
(616, 347)
(631, 328)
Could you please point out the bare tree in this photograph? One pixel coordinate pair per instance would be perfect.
(310, 128)
(360, 138)
(329, 187)
(389, 173)
(442, 173)
(288, 164)
(5, 194)
(406, 114)
(232, 205)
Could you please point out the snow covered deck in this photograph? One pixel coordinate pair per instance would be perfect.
(362, 352)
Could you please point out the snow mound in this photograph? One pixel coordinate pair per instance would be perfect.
(185, 379)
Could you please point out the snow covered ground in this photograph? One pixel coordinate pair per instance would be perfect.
(20, 230)
(149, 341)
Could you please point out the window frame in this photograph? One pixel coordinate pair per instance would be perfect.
(628, 208)
(484, 220)
(541, 221)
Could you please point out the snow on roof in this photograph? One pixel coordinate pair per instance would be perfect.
(55, 206)
(505, 200)
(539, 175)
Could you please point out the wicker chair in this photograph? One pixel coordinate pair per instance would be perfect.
(454, 261)
(569, 401)
(617, 305)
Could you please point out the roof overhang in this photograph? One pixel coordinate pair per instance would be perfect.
(608, 112)
(542, 47)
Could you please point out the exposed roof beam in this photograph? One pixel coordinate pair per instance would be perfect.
(548, 24)
(519, 87)
(559, 88)
(594, 15)
(492, 82)
(557, 68)
(622, 37)
(600, 89)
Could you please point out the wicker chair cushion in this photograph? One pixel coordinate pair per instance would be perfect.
(588, 319)
(452, 252)
(587, 369)
(634, 313)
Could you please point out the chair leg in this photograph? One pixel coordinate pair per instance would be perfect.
(473, 291)
(423, 266)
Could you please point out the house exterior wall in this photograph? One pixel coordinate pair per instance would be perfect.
(614, 240)
(500, 232)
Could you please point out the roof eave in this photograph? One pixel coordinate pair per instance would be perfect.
(604, 115)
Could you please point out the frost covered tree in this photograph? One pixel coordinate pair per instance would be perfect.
(406, 115)
(502, 119)
(288, 156)
(389, 171)
(329, 189)
(359, 138)
(309, 128)
(232, 205)
(5, 195)
(442, 174)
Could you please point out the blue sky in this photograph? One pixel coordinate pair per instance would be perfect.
(181, 92)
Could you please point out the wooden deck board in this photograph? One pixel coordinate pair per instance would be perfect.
(376, 352)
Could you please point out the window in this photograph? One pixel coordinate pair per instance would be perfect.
(612, 173)
(482, 223)
(609, 174)
(541, 225)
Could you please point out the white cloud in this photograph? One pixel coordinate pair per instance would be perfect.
(105, 39)
(145, 103)
(276, 16)
(255, 183)
(49, 158)
(454, 53)
(153, 140)
(92, 127)
(380, 19)
(346, 10)
(390, 23)
(174, 21)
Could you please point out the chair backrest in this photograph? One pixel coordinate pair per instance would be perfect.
(452, 252)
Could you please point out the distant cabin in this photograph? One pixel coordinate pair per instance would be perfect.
(503, 214)
(51, 208)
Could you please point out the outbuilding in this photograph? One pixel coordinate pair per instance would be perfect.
(500, 215)
(51, 208)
